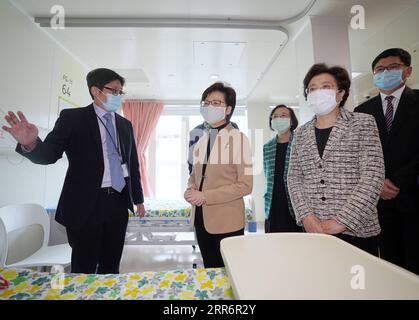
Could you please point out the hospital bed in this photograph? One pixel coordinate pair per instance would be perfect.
(191, 284)
(164, 222)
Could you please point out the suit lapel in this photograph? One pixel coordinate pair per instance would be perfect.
(378, 114)
(123, 136)
(272, 155)
(199, 153)
(336, 134)
(94, 128)
(405, 107)
(312, 142)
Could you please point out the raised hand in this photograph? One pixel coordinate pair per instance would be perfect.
(24, 132)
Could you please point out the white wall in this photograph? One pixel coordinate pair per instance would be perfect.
(258, 116)
(304, 50)
(33, 66)
(270, 93)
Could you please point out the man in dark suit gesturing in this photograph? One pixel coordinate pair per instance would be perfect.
(396, 111)
(103, 177)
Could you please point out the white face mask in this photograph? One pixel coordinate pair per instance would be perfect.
(281, 125)
(212, 114)
(322, 101)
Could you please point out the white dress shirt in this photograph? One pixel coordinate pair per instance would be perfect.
(397, 95)
(106, 181)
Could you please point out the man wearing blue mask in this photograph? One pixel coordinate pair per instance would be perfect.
(103, 177)
(396, 111)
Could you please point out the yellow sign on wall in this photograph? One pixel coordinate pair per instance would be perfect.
(64, 103)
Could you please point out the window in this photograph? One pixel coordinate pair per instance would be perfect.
(168, 150)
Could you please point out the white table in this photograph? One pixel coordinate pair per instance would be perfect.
(311, 266)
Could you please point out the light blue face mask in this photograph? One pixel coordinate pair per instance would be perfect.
(281, 125)
(388, 80)
(112, 102)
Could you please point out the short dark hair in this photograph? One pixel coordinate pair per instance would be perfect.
(394, 52)
(100, 77)
(340, 74)
(227, 91)
(293, 117)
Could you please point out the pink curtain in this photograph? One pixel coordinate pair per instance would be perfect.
(144, 117)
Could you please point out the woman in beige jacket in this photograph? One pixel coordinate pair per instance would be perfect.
(221, 176)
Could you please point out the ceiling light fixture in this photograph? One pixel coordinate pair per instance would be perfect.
(355, 75)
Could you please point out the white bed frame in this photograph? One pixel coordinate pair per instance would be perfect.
(145, 231)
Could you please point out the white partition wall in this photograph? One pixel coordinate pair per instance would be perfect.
(34, 69)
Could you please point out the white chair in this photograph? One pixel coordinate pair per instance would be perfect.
(3, 244)
(24, 235)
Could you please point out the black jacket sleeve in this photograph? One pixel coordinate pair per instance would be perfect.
(137, 190)
(407, 176)
(54, 145)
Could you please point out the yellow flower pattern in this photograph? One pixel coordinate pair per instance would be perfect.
(191, 284)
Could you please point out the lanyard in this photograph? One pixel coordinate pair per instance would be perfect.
(4, 284)
(110, 136)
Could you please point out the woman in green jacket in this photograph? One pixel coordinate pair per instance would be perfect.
(279, 215)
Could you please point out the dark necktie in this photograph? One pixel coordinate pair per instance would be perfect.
(389, 112)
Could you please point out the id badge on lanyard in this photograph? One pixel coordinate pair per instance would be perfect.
(125, 170)
(124, 165)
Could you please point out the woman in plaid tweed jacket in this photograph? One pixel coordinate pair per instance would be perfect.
(335, 189)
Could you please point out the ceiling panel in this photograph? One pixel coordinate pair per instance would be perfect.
(177, 68)
(133, 75)
(177, 62)
(215, 54)
(245, 9)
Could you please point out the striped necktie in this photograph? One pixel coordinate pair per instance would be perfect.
(389, 112)
(117, 176)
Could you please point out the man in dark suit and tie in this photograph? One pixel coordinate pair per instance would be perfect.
(396, 111)
(103, 177)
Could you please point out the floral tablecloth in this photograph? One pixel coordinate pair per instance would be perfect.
(191, 284)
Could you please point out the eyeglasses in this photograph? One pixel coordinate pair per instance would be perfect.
(115, 92)
(392, 67)
(323, 87)
(215, 103)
